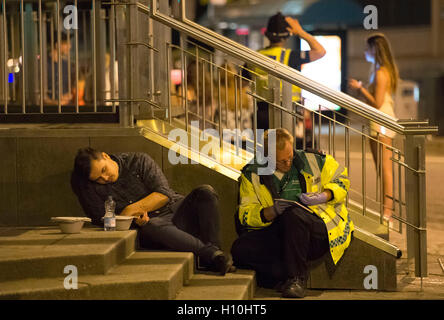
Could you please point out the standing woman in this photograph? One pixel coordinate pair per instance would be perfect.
(383, 82)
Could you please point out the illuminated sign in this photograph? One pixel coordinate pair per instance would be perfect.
(326, 70)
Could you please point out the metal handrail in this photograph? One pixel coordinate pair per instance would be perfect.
(134, 100)
(281, 71)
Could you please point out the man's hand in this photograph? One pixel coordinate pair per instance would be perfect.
(295, 27)
(317, 51)
(142, 220)
(132, 210)
(136, 211)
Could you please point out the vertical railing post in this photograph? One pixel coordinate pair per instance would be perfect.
(184, 94)
(159, 36)
(347, 152)
(94, 52)
(5, 57)
(168, 70)
(183, 5)
(22, 37)
(112, 44)
(101, 52)
(274, 118)
(41, 55)
(287, 119)
(123, 34)
(364, 174)
(415, 199)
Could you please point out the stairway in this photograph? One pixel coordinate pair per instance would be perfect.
(32, 258)
(32, 262)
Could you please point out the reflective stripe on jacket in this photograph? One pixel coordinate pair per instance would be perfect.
(318, 172)
(283, 56)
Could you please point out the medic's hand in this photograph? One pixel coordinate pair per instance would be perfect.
(280, 206)
(313, 198)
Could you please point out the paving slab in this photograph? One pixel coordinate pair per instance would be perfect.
(239, 285)
(270, 294)
(409, 287)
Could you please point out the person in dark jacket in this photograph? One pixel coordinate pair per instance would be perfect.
(164, 218)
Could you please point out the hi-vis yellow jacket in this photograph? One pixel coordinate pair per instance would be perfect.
(317, 173)
(279, 54)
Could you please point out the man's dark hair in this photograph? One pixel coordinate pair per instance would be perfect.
(277, 28)
(82, 162)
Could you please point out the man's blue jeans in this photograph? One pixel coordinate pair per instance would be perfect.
(191, 226)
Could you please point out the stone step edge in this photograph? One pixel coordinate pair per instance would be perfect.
(243, 281)
(101, 263)
(96, 286)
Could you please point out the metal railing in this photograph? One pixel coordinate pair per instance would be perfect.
(36, 35)
(203, 78)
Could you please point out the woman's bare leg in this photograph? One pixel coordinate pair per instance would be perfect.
(387, 176)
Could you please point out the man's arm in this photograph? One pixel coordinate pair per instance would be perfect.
(317, 51)
(141, 208)
(150, 203)
(155, 181)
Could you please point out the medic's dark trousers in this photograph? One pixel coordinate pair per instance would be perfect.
(283, 249)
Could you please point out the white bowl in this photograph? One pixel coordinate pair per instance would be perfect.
(70, 224)
(123, 222)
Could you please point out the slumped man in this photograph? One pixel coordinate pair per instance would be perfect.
(165, 219)
(277, 238)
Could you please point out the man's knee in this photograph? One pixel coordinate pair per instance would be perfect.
(205, 191)
(153, 229)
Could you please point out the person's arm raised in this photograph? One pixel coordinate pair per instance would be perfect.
(317, 51)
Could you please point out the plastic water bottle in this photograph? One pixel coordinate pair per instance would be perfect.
(109, 220)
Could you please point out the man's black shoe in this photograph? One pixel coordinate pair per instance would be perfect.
(222, 263)
(294, 288)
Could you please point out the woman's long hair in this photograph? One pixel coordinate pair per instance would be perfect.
(384, 57)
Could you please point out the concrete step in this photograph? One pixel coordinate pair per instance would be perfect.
(368, 220)
(368, 224)
(43, 252)
(32, 262)
(149, 275)
(367, 255)
(239, 285)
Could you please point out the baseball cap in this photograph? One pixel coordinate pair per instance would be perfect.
(277, 26)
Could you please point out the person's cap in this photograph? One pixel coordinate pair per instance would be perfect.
(277, 26)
